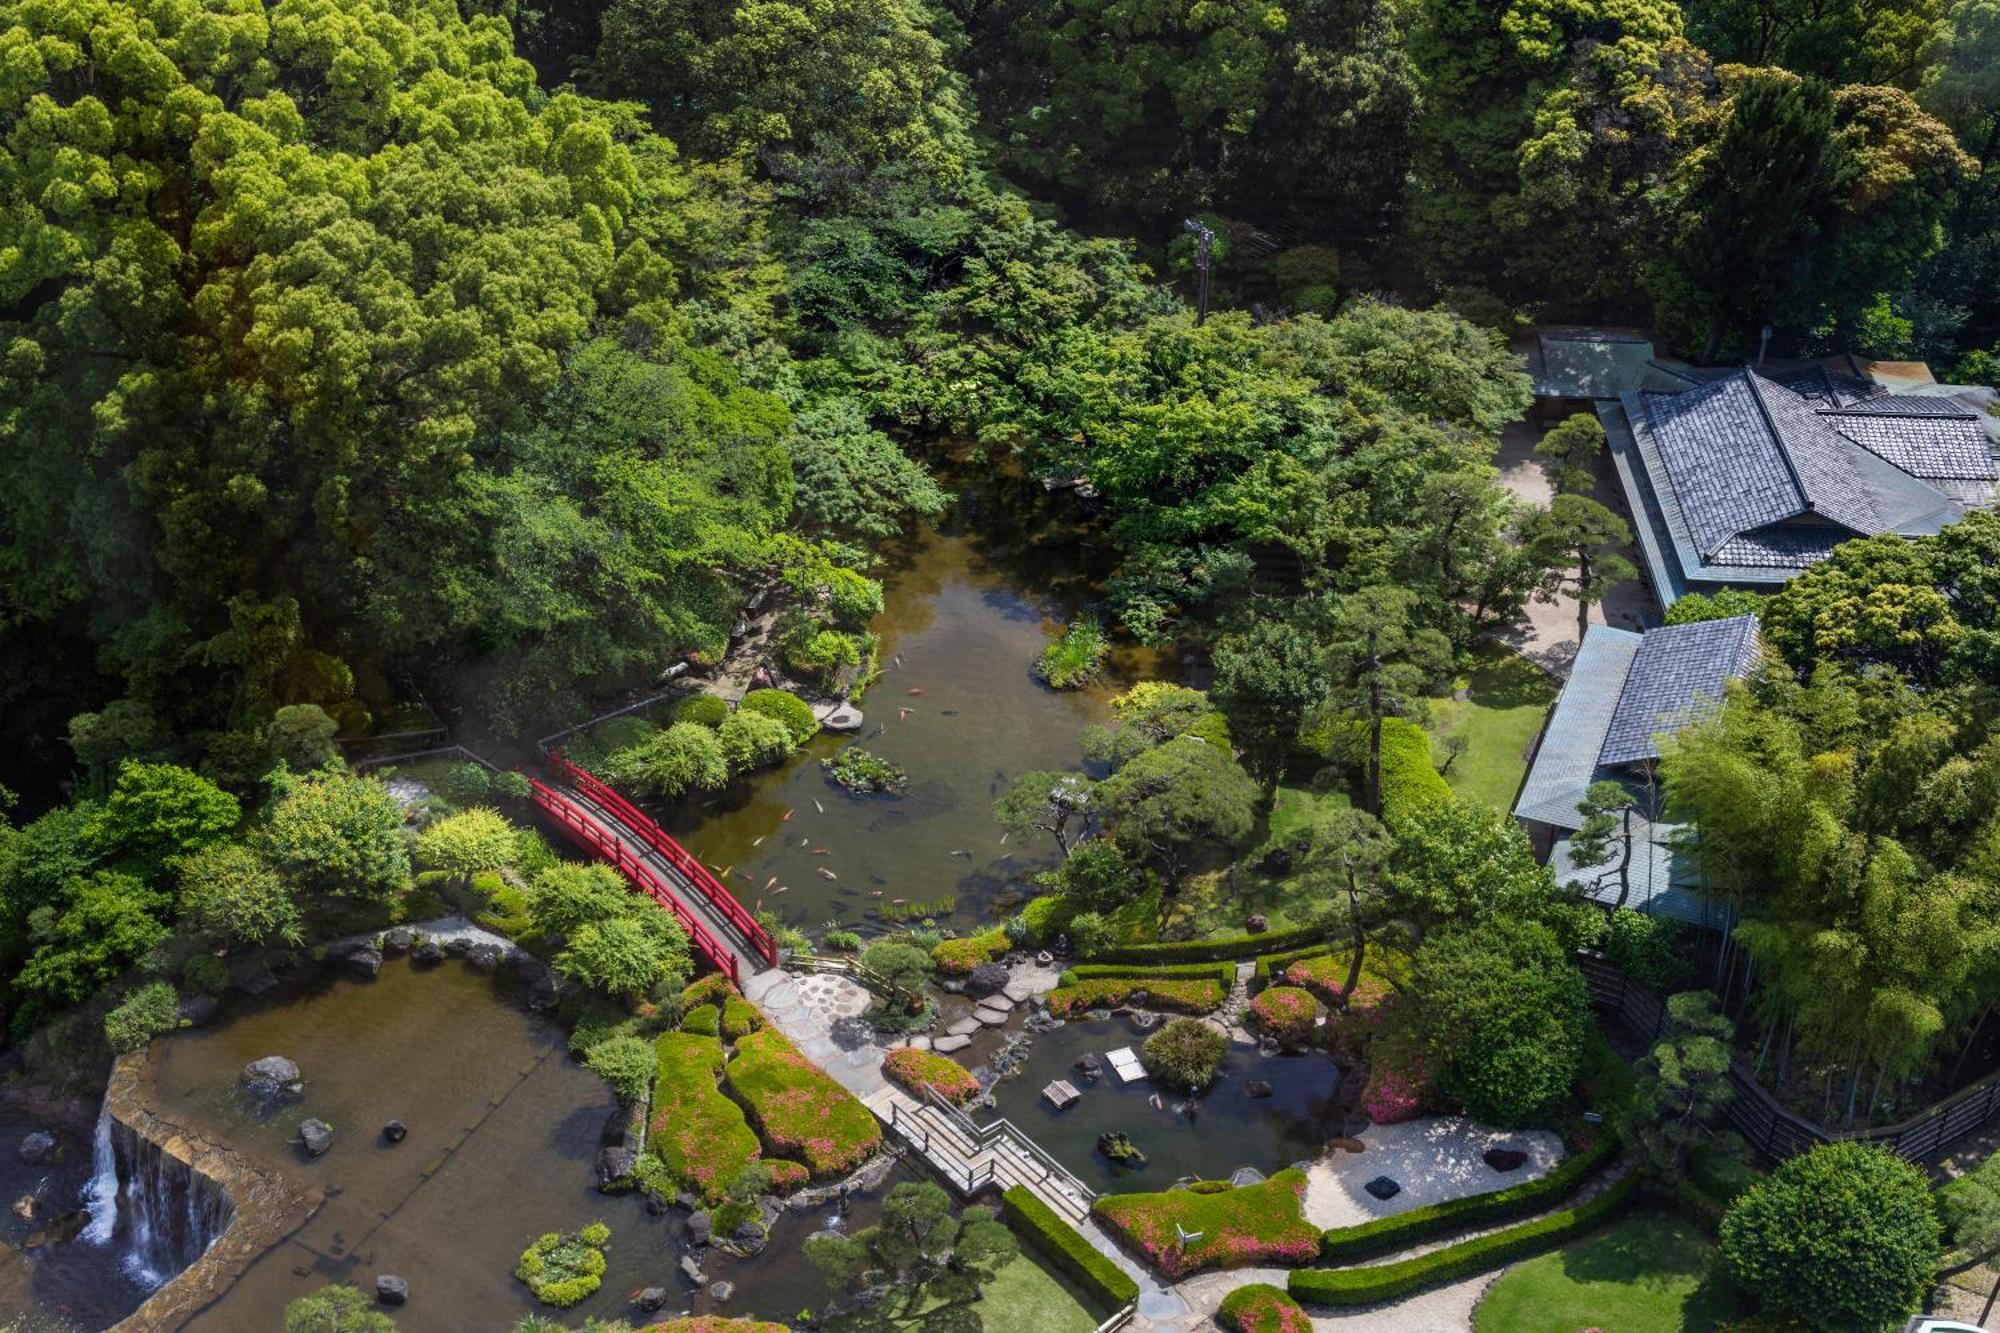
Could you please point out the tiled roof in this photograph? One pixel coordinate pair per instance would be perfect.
(1664, 881)
(1780, 546)
(1587, 364)
(1677, 673)
(1907, 405)
(1566, 760)
(1823, 387)
(1933, 447)
(1742, 454)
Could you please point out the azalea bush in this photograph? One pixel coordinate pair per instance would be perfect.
(1286, 1014)
(1177, 994)
(1262, 1308)
(912, 1069)
(1184, 1054)
(562, 1270)
(957, 958)
(798, 1111)
(696, 1132)
(715, 1323)
(1251, 1224)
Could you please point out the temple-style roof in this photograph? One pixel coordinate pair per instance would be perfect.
(1678, 672)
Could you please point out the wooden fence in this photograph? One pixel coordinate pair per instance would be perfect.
(1769, 1127)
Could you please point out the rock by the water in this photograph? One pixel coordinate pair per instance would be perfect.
(317, 1135)
(1089, 1066)
(39, 1148)
(651, 1299)
(846, 717)
(946, 1045)
(1504, 1159)
(991, 1017)
(1256, 1087)
(458, 946)
(27, 1208)
(485, 956)
(1246, 1175)
(1383, 1188)
(613, 1165)
(252, 976)
(1120, 1149)
(692, 1271)
(272, 1077)
(543, 994)
(391, 1290)
(361, 960)
(427, 950)
(701, 1226)
(198, 1009)
(395, 1132)
(722, 1291)
(986, 979)
(399, 940)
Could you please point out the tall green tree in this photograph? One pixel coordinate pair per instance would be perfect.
(1167, 802)
(1576, 540)
(1380, 662)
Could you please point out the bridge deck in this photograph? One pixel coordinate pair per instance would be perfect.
(605, 822)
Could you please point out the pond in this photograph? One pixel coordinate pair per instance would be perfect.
(1210, 1136)
(502, 1130)
(958, 707)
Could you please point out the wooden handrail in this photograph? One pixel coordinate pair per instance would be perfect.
(657, 838)
(580, 826)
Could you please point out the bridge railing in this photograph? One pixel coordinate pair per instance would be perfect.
(675, 855)
(1002, 1129)
(588, 831)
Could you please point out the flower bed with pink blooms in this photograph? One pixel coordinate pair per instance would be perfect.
(697, 1132)
(1262, 1308)
(715, 1323)
(1251, 1224)
(912, 1069)
(798, 1111)
(1286, 1014)
(1325, 975)
(1177, 995)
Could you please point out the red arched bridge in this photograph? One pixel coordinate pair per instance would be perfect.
(600, 819)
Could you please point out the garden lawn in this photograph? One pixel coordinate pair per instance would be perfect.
(1652, 1273)
(1257, 1224)
(1509, 697)
(700, 1134)
(1213, 901)
(797, 1110)
(1024, 1296)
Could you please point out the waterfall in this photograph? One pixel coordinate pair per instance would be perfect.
(165, 1213)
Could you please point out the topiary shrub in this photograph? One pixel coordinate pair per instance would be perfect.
(1090, 934)
(957, 958)
(627, 1063)
(1262, 1308)
(794, 712)
(798, 1110)
(465, 782)
(703, 1022)
(562, 1270)
(1286, 1014)
(913, 1069)
(1174, 994)
(740, 1018)
(143, 1015)
(699, 1135)
(843, 941)
(752, 740)
(706, 709)
(1184, 1054)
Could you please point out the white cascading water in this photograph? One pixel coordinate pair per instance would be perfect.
(102, 1195)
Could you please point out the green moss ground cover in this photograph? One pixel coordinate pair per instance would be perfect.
(1262, 1308)
(911, 1069)
(1653, 1273)
(1256, 1224)
(1178, 994)
(1508, 699)
(957, 958)
(699, 1134)
(797, 1110)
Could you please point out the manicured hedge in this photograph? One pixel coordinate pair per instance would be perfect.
(1286, 1014)
(715, 1323)
(957, 957)
(1387, 1282)
(1248, 1224)
(1178, 996)
(912, 1069)
(700, 1134)
(797, 1109)
(739, 1017)
(1215, 948)
(1409, 780)
(1064, 1246)
(1262, 1308)
(1393, 1233)
(1223, 974)
(1274, 964)
(703, 1022)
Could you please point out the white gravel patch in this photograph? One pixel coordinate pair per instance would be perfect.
(1434, 1158)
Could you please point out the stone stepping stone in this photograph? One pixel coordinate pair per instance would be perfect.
(963, 1027)
(1000, 1001)
(1383, 1188)
(946, 1045)
(918, 1043)
(992, 1018)
(1020, 992)
(781, 996)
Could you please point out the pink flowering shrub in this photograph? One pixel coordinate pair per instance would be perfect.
(697, 1132)
(911, 1069)
(715, 1323)
(1177, 995)
(1286, 1014)
(1253, 1224)
(1399, 1079)
(957, 957)
(1262, 1308)
(799, 1112)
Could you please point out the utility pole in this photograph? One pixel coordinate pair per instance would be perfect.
(1204, 243)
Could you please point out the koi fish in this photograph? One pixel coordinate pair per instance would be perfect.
(769, 882)
(759, 841)
(782, 818)
(914, 691)
(828, 873)
(821, 851)
(960, 851)
(1004, 837)
(902, 714)
(780, 889)
(817, 806)
(897, 659)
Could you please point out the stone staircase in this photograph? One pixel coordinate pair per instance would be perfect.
(976, 1158)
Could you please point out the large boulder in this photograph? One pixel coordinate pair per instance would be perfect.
(272, 1077)
(986, 979)
(427, 951)
(485, 956)
(650, 1299)
(700, 1226)
(253, 976)
(612, 1166)
(317, 1136)
(360, 959)
(39, 1148)
(692, 1271)
(722, 1291)
(395, 1131)
(391, 1290)
(399, 940)
(197, 1009)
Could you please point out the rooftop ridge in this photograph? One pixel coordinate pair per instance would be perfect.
(1754, 380)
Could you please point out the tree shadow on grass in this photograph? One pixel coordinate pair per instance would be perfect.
(1659, 1254)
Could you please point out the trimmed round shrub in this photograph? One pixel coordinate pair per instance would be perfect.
(625, 1062)
(1184, 1054)
(1090, 934)
(1285, 1014)
(703, 1022)
(1843, 1237)
(794, 712)
(465, 782)
(843, 941)
(753, 740)
(957, 958)
(563, 1270)
(706, 709)
(912, 1069)
(1044, 918)
(144, 1014)
(1262, 1308)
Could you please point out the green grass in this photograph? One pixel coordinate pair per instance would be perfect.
(1076, 657)
(797, 1110)
(1652, 1273)
(1024, 1296)
(1255, 1224)
(1509, 697)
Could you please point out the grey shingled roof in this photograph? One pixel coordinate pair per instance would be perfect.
(1780, 546)
(1940, 448)
(1743, 453)
(1677, 673)
(1566, 760)
(1823, 387)
(1664, 880)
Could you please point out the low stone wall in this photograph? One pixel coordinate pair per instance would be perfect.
(269, 1205)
